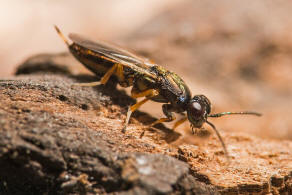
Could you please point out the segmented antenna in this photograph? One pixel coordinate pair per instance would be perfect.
(217, 132)
(221, 140)
(233, 113)
(62, 36)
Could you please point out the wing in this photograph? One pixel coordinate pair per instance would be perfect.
(116, 54)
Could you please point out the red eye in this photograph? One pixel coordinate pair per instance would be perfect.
(196, 110)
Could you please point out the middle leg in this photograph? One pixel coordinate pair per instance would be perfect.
(148, 94)
(104, 79)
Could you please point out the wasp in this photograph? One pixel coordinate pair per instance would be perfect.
(148, 80)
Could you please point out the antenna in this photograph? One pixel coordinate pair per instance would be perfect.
(233, 113)
(221, 140)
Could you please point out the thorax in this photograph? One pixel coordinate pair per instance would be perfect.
(172, 88)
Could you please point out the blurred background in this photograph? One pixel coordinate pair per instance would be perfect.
(27, 26)
(237, 53)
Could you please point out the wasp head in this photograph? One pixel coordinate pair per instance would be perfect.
(198, 110)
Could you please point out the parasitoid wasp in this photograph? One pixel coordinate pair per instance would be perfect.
(148, 80)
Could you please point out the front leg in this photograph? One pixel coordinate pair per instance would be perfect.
(167, 110)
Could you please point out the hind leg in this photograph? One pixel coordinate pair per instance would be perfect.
(105, 77)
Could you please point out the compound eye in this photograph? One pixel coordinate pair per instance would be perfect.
(196, 110)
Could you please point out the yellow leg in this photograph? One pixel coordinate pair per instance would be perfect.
(161, 120)
(108, 74)
(150, 93)
(120, 72)
(131, 110)
(144, 93)
(92, 84)
(167, 110)
(179, 122)
(103, 80)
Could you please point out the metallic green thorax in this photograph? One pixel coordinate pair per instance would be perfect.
(172, 88)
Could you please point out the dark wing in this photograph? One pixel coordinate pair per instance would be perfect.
(116, 54)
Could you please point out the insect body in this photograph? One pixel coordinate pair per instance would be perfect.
(149, 80)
